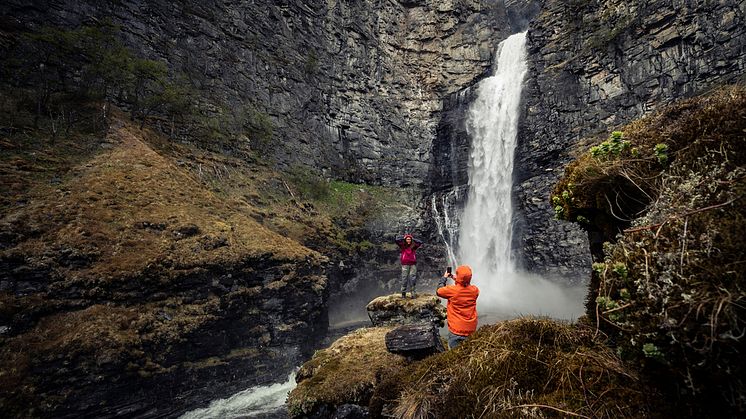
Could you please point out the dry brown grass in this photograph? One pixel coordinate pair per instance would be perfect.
(519, 368)
(125, 207)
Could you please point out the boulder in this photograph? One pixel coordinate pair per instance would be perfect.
(415, 341)
(394, 310)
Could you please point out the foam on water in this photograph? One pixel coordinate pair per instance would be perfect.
(260, 401)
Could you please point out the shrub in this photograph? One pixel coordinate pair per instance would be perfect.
(526, 367)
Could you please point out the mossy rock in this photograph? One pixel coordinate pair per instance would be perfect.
(344, 373)
(669, 288)
(394, 309)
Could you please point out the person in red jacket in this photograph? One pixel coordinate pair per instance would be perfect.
(408, 246)
(462, 304)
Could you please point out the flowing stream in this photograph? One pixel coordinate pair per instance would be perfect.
(485, 232)
(255, 402)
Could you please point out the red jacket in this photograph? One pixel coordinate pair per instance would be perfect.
(462, 305)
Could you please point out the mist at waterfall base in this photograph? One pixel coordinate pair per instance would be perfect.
(485, 228)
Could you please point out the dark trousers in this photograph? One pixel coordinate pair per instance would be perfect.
(454, 340)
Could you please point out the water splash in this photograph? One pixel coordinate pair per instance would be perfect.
(260, 401)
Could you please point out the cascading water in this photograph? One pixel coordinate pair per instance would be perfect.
(447, 227)
(261, 401)
(485, 235)
(493, 127)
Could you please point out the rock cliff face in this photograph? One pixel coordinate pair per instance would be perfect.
(129, 282)
(352, 89)
(595, 66)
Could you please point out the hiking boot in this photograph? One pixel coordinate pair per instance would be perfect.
(403, 294)
(413, 295)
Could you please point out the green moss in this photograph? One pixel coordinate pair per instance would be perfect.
(346, 372)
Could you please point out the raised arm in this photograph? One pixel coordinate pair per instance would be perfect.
(443, 291)
(417, 243)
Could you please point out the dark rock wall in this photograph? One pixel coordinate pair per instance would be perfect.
(353, 88)
(594, 66)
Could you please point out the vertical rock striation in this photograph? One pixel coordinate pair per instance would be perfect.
(352, 89)
(594, 66)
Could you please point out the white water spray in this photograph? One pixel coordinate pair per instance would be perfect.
(486, 226)
(255, 401)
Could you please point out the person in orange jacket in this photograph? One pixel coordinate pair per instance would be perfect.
(462, 304)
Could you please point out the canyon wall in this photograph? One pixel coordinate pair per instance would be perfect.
(594, 66)
(352, 89)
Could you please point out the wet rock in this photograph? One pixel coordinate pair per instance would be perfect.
(351, 411)
(415, 341)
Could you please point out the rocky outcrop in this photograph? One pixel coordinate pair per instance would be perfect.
(415, 341)
(342, 377)
(338, 381)
(595, 66)
(393, 309)
(130, 283)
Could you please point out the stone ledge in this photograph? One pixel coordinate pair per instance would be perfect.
(394, 310)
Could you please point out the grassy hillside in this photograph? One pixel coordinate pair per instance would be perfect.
(128, 256)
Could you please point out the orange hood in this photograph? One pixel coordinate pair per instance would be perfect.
(463, 275)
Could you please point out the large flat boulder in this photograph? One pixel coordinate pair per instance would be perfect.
(394, 310)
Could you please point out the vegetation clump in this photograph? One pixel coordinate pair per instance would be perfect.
(528, 367)
(668, 286)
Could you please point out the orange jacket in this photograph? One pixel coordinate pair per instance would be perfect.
(462, 304)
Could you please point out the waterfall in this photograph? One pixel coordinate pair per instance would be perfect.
(485, 235)
(492, 124)
(447, 227)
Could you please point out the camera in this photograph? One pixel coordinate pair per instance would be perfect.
(448, 270)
